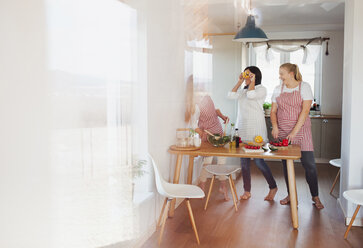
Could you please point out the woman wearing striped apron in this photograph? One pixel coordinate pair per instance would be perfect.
(290, 119)
(204, 116)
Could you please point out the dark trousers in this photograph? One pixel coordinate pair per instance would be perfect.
(308, 162)
(246, 173)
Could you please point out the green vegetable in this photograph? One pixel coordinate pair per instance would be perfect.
(266, 105)
(220, 142)
(264, 148)
(272, 148)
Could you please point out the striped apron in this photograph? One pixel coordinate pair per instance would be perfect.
(289, 107)
(208, 118)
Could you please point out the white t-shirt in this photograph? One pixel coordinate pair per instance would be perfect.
(306, 92)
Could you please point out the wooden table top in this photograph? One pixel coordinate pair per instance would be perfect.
(293, 152)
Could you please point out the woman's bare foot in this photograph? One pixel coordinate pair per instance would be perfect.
(285, 201)
(317, 202)
(223, 190)
(246, 195)
(271, 195)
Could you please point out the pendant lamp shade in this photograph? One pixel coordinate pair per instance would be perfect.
(250, 33)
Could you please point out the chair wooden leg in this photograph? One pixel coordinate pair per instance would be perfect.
(192, 219)
(234, 198)
(351, 222)
(209, 192)
(165, 216)
(234, 189)
(162, 212)
(335, 181)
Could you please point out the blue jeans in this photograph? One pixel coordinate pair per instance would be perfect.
(246, 173)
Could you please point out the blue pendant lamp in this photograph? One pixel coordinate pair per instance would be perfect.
(250, 33)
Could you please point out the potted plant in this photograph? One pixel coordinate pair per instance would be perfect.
(267, 108)
(137, 171)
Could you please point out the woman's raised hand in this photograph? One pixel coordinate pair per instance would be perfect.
(252, 77)
(241, 77)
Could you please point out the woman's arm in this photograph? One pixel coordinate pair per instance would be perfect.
(234, 94)
(239, 83)
(194, 121)
(273, 117)
(220, 115)
(302, 117)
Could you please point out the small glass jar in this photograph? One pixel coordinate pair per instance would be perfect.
(182, 137)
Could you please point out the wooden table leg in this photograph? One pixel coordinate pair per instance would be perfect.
(190, 169)
(179, 160)
(293, 195)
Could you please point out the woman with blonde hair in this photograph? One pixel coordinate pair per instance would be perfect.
(290, 119)
(202, 115)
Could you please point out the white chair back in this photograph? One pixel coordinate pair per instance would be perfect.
(159, 180)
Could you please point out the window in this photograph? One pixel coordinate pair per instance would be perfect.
(93, 67)
(270, 69)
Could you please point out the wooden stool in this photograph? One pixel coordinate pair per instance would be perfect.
(337, 163)
(223, 170)
(355, 196)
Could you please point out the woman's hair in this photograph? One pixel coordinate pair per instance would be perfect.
(257, 72)
(293, 68)
(189, 99)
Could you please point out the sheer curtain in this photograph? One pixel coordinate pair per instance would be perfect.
(92, 60)
(306, 54)
(310, 51)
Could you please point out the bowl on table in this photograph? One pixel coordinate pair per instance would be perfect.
(218, 140)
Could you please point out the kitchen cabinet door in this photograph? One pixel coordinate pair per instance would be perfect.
(316, 133)
(331, 138)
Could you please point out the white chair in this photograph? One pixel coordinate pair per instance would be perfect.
(337, 163)
(172, 191)
(223, 170)
(355, 196)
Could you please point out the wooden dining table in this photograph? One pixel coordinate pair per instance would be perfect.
(289, 154)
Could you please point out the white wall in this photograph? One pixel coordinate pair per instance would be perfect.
(226, 69)
(164, 51)
(352, 134)
(24, 170)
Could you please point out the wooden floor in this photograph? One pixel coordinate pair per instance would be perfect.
(263, 224)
